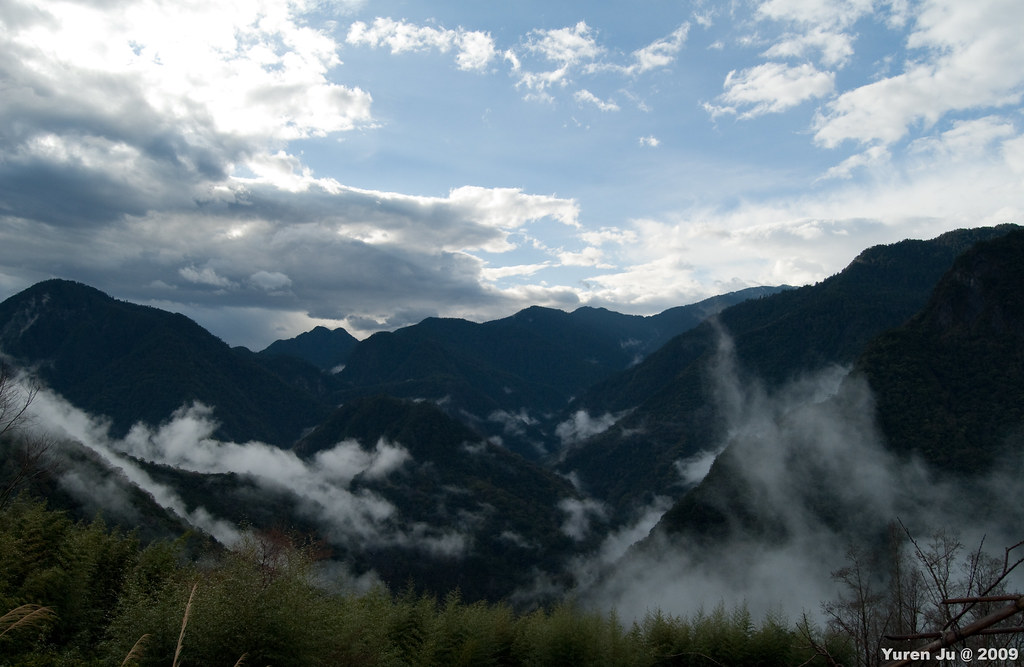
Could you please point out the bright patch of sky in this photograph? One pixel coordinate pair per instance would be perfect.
(268, 166)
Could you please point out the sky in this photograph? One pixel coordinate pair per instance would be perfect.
(265, 167)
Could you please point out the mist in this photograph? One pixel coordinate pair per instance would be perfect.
(320, 486)
(813, 438)
(789, 449)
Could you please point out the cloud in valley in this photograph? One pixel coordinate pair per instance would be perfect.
(818, 429)
(321, 485)
(583, 425)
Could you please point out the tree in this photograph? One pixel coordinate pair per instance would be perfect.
(885, 601)
(14, 401)
(26, 456)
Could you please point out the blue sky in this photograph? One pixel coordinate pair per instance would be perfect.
(264, 167)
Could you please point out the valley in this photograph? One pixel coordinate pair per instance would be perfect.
(733, 451)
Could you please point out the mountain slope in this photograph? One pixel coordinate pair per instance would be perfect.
(320, 346)
(675, 401)
(949, 385)
(507, 377)
(947, 388)
(499, 514)
(134, 363)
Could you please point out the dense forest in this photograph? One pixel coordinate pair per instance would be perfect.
(82, 593)
(79, 593)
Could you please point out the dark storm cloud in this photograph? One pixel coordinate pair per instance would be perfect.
(118, 175)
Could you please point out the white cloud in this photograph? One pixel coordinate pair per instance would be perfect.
(660, 53)
(566, 46)
(771, 88)
(149, 106)
(509, 208)
(580, 516)
(650, 140)
(967, 139)
(873, 156)
(585, 96)
(695, 468)
(513, 423)
(475, 48)
(359, 518)
(55, 417)
(582, 425)
(399, 36)
(835, 48)
(204, 276)
(970, 55)
(498, 272)
(270, 280)
(605, 235)
(589, 256)
(826, 13)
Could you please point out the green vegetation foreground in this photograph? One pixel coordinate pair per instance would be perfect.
(81, 594)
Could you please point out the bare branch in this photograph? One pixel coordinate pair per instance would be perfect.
(15, 400)
(950, 637)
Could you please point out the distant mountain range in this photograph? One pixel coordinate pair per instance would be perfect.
(489, 456)
(132, 363)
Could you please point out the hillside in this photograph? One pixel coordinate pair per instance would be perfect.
(513, 458)
(949, 385)
(507, 377)
(673, 406)
(938, 397)
(134, 363)
(322, 347)
(494, 519)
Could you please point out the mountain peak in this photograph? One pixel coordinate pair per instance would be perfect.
(324, 348)
(980, 294)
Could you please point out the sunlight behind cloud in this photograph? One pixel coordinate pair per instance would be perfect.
(369, 163)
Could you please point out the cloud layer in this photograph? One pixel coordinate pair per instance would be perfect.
(265, 167)
(321, 486)
(813, 441)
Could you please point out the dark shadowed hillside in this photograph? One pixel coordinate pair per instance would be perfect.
(674, 412)
(134, 363)
(949, 385)
(508, 377)
(947, 388)
(322, 347)
(495, 517)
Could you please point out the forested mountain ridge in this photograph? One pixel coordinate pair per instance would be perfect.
(949, 384)
(668, 406)
(134, 363)
(939, 398)
(449, 451)
(400, 488)
(509, 377)
(322, 347)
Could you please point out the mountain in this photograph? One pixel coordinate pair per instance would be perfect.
(672, 408)
(503, 457)
(322, 347)
(500, 515)
(944, 401)
(949, 384)
(134, 363)
(508, 376)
